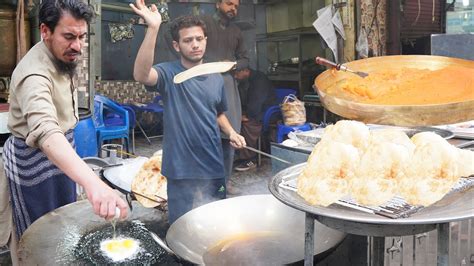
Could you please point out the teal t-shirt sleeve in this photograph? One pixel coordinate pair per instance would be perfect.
(160, 84)
(156, 87)
(162, 79)
(222, 105)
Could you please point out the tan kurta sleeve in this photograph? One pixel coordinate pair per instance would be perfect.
(34, 96)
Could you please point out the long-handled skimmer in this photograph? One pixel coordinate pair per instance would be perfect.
(325, 62)
(268, 155)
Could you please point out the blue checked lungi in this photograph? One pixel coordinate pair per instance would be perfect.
(36, 185)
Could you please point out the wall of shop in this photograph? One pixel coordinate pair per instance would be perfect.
(373, 19)
(295, 15)
(118, 56)
(350, 28)
(125, 91)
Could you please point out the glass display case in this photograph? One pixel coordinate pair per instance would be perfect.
(460, 16)
(288, 58)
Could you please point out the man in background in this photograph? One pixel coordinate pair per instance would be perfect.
(194, 113)
(257, 94)
(225, 43)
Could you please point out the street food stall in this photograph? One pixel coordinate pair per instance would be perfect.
(399, 218)
(255, 223)
(282, 227)
(253, 228)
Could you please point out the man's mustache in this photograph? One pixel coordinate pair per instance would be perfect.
(72, 52)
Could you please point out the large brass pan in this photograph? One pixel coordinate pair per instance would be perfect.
(400, 115)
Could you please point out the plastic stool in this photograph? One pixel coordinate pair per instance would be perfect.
(283, 130)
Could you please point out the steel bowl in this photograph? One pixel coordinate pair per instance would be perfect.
(453, 207)
(257, 217)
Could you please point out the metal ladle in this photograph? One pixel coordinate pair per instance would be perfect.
(325, 62)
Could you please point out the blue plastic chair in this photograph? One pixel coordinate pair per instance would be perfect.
(113, 119)
(271, 112)
(153, 107)
(283, 130)
(281, 93)
(103, 106)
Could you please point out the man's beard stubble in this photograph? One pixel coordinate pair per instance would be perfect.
(66, 68)
(192, 60)
(230, 15)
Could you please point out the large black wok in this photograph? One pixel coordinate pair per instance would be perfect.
(71, 235)
(247, 230)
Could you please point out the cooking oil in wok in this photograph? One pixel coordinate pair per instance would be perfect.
(257, 248)
(89, 248)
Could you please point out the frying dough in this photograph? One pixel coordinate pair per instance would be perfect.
(203, 69)
(374, 166)
(424, 138)
(327, 176)
(378, 174)
(382, 166)
(392, 136)
(465, 162)
(150, 182)
(349, 132)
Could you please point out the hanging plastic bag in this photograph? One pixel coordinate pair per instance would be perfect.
(293, 110)
(362, 45)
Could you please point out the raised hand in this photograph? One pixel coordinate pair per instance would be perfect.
(151, 15)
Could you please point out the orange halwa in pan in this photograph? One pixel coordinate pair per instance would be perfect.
(409, 86)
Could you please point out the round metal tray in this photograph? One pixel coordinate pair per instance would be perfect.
(315, 135)
(411, 131)
(400, 115)
(453, 207)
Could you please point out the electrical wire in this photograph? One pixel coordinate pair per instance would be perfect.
(419, 12)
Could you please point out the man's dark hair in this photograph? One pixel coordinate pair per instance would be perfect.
(185, 22)
(51, 11)
(220, 1)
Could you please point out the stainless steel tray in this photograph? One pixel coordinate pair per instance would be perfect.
(313, 136)
(453, 207)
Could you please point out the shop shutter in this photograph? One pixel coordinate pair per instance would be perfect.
(411, 28)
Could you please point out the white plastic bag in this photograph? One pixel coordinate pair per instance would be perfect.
(293, 110)
(362, 45)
